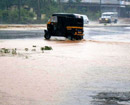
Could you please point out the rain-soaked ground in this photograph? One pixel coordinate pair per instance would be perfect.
(94, 71)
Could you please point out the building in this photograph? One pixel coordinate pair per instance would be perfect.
(120, 6)
(102, 1)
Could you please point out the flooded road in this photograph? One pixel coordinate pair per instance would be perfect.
(17, 34)
(120, 34)
(87, 72)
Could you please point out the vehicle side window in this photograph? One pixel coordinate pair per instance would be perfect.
(54, 19)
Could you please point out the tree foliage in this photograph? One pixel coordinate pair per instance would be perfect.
(11, 16)
(18, 11)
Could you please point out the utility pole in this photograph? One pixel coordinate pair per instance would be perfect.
(100, 7)
(19, 10)
(59, 4)
(7, 4)
(58, 1)
(38, 10)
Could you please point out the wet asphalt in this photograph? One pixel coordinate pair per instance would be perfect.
(20, 34)
(93, 33)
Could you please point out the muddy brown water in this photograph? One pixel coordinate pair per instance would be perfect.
(73, 73)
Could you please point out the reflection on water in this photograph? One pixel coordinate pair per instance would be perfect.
(17, 34)
(120, 34)
(112, 98)
(100, 33)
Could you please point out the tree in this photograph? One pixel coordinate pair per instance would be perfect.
(78, 1)
(38, 10)
(71, 1)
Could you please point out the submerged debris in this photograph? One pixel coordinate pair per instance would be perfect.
(26, 57)
(14, 51)
(33, 49)
(111, 98)
(26, 49)
(46, 48)
(5, 51)
(34, 46)
(42, 48)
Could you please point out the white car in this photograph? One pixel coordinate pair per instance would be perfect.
(109, 17)
(85, 18)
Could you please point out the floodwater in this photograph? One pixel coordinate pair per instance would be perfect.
(120, 34)
(18, 34)
(87, 72)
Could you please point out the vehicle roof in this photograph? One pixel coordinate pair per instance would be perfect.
(109, 13)
(84, 16)
(67, 14)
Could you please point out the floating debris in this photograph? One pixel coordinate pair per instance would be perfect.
(48, 48)
(42, 48)
(14, 52)
(34, 46)
(33, 49)
(111, 98)
(26, 49)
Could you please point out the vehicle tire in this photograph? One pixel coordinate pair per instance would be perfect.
(71, 37)
(115, 21)
(76, 37)
(109, 21)
(47, 36)
(81, 37)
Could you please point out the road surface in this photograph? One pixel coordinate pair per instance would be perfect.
(93, 33)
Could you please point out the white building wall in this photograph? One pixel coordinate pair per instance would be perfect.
(103, 1)
(63, 0)
(91, 1)
(110, 1)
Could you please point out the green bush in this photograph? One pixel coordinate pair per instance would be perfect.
(48, 48)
